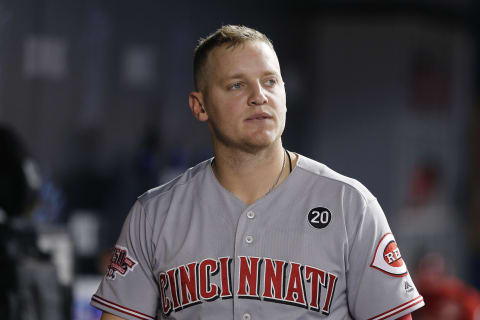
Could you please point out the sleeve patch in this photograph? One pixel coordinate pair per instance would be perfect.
(121, 263)
(387, 257)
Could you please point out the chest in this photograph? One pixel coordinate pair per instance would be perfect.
(283, 252)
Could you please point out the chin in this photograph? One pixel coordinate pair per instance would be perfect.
(257, 144)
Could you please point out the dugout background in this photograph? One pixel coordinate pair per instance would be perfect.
(98, 92)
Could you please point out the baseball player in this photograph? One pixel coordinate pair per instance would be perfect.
(257, 232)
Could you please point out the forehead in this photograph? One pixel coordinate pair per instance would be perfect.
(249, 58)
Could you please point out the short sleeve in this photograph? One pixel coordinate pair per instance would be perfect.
(378, 282)
(129, 289)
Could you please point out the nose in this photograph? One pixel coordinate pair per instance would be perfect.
(257, 96)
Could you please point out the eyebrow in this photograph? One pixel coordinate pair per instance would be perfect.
(242, 75)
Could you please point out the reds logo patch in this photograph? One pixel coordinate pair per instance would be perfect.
(121, 263)
(388, 258)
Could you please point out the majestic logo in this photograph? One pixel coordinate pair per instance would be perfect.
(388, 258)
(121, 263)
(408, 287)
(264, 279)
(319, 217)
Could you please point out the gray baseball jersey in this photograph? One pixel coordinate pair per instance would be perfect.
(316, 247)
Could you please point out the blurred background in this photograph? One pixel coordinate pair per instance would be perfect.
(94, 111)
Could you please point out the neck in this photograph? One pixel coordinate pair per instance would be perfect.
(251, 175)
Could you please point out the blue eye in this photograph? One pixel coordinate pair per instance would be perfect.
(271, 82)
(236, 85)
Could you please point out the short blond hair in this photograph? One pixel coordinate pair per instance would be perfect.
(233, 35)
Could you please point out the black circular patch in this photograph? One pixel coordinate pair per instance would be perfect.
(319, 217)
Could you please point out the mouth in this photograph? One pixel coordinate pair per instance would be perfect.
(259, 117)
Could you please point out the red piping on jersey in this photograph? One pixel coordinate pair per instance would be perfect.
(419, 298)
(122, 308)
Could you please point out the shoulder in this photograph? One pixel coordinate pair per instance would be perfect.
(179, 184)
(322, 174)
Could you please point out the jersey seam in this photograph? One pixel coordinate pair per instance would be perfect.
(171, 189)
(144, 211)
(364, 210)
(365, 199)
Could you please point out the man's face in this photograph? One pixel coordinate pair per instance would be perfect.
(244, 96)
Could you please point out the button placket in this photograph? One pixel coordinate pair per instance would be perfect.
(250, 215)
(245, 243)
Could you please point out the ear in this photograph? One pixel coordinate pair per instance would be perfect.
(195, 101)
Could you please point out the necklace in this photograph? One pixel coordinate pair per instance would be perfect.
(279, 175)
(281, 171)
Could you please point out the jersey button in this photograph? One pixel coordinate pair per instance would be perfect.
(250, 214)
(247, 316)
(248, 239)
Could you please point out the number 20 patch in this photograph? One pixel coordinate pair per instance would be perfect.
(319, 217)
